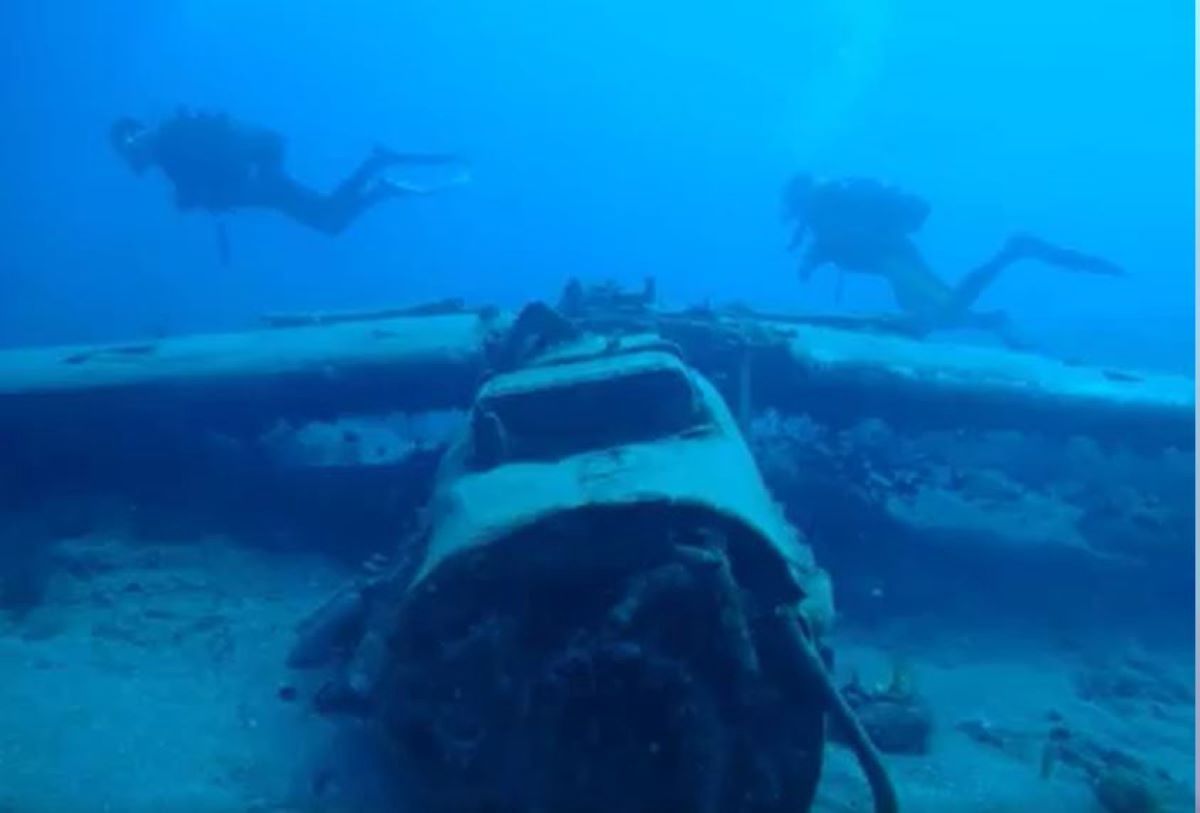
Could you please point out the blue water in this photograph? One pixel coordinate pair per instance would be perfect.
(1025, 588)
(613, 139)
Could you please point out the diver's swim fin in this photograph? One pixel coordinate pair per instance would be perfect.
(1026, 246)
(431, 159)
(402, 187)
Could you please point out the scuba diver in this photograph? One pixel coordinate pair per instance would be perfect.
(864, 226)
(220, 165)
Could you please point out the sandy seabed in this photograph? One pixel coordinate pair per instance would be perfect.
(152, 678)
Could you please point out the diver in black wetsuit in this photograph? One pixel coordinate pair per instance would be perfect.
(864, 226)
(221, 165)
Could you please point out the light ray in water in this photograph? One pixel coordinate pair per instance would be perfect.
(826, 102)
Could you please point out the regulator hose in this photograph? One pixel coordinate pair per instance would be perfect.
(808, 665)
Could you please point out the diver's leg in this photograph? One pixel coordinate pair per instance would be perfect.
(978, 280)
(337, 212)
(329, 214)
(355, 185)
(334, 212)
(380, 159)
(364, 187)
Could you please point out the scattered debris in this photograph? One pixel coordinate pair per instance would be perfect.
(895, 717)
(1123, 791)
(1132, 680)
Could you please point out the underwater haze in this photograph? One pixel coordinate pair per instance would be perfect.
(738, 541)
(608, 140)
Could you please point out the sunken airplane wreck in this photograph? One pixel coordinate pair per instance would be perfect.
(606, 611)
(599, 606)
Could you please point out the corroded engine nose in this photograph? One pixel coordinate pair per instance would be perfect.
(638, 676)
(609, 613)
